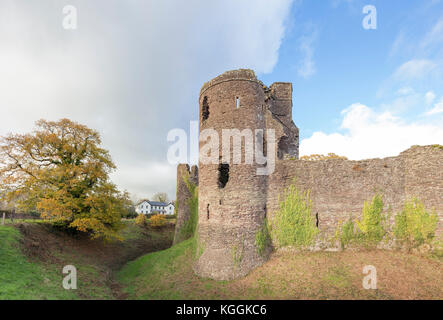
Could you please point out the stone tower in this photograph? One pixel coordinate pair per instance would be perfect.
(232, 197)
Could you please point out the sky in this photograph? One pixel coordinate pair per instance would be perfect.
(133, 70)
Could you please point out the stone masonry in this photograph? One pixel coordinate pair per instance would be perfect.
(183, 196)
(234, 201)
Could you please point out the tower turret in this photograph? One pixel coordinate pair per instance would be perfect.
(232, 197)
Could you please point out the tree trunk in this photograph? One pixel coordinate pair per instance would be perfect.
(3, 219)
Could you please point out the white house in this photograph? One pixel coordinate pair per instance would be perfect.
(148, 207)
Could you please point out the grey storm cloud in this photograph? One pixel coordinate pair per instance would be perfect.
(131, 70)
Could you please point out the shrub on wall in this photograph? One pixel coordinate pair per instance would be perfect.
(414, 225)
(346, 233)
(262, 239)
(293, 224)
(372, 224)
(371, 229)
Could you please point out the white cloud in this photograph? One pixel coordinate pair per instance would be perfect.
(409, 41)
(397, 44)
(307, 66)
(429, 97)
(414, 69)
(423, 68)
(434, 36)
(405, 99)
(438, 108)
(370, 134)
(131, 70)
(405, 91)
(415, 73)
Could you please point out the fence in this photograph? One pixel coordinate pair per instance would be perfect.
(12, 215)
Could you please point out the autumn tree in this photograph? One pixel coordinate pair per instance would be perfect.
(61, 171)
(160, 196)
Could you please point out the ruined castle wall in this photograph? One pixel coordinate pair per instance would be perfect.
(279, 105)
(424, 177)
(281, 102)
(183, 197)
(340, 187)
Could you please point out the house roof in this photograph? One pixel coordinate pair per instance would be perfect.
(141, 201)
(155, 203)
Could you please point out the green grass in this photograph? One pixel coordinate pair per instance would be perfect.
(22, 279)
(151, 266)
(338, 276)
(131, 231)
(25, 278)
(10, 221)
(168, 274)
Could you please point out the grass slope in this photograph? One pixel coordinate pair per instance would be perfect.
(32, 257)
(287, 275)
(22, 279)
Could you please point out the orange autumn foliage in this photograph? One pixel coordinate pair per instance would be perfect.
(157, 221)
(61, 171)
(141, 220)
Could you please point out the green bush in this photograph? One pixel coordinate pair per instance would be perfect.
(129, 212)
(130, 215)
(293, 224)
(370, 230)
(263, 238)
(346, 234)
(372, 223)
(414, 225)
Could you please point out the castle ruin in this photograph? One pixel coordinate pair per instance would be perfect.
(185, 176)
(234, 200)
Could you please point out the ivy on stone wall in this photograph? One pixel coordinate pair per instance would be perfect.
(293, 224)
(189, 227)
